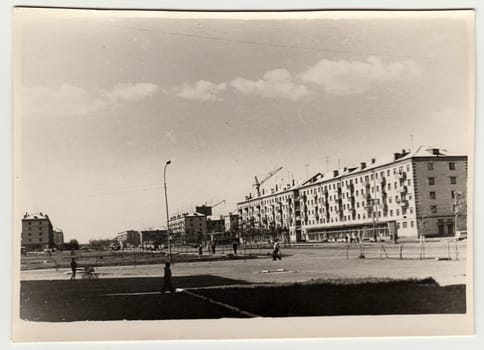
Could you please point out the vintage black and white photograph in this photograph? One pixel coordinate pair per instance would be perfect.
(242, 169)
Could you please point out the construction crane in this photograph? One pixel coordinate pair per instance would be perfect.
(258, 183)
(218, 203)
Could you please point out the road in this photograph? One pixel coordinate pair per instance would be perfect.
(303, 264)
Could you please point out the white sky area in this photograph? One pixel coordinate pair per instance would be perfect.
(103, 99)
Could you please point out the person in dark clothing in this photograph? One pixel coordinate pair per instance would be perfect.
(73, 268)
(167, 279)
(213, 245)
(200, 249)
(276, 253)
(234, 246)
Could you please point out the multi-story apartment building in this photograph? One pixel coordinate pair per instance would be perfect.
(231, 222)
(188, 227)
(153, 238)
(277, 210)
(409, 195)
(37, 232)
(58, 238)
(129, 238)
(215, 224)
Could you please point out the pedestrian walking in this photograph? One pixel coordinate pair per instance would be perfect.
(276, 253)
(167, 285)
(73, 268)
(200, 249)
(213, 247)
(234, 246)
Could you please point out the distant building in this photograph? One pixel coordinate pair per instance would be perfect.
(58, 238)
(189, 228)
(231, 222)
(204, 209)
(153, 238)
(128, 239)
(37, 232)
(215, 224)
(408, 195)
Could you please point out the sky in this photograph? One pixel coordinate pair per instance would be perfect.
(102, 99)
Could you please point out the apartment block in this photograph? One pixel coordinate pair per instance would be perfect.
(407, 195)
(128, 239)
(37, 232)
(188, 227)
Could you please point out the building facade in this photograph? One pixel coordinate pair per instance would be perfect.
(37, 232)
(215, 224)
(128, 239)
(407, 196)
(153, 238)
(188, 228)
(58, 238)
(231, 222)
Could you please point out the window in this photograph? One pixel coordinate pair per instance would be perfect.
(430, 166)
(404, 224)
(411, 223)
(453, 180)
(431, 181)
(398, 212)
(391, 212)
(433, 209)
(432, 195)
(451, 166)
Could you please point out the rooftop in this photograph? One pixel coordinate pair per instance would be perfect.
(35, 216)
(373, 163)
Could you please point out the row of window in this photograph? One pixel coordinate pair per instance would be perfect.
(430, 166)
(452, 179)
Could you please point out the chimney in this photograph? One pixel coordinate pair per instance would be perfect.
(335, 173)
(293, 182)
(373, 160)
(363, 165)
(396, 156)
(345, 169)
(263, 191)
(435, 151)
(276, 188)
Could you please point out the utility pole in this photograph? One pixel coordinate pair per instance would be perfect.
(167, 213)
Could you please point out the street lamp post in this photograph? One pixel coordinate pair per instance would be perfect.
(167, 215)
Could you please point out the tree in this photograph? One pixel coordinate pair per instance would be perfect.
(72, 245)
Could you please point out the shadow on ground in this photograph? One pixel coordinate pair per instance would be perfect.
(115, 299)
(139, 299)
(320, 298)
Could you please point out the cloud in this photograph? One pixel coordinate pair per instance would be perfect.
(68, 99)
(130, 92)
(201, 90)
(356, 77)
(55, 101)
(277, 83)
